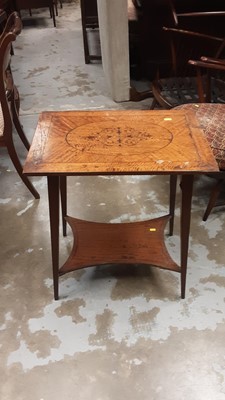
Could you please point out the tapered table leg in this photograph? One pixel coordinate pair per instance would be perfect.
(53, 196)
(173, 188)
(186, 189)
(63, 193)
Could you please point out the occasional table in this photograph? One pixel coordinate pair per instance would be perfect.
(114, 143)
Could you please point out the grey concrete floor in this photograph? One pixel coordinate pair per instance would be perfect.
(117, 332)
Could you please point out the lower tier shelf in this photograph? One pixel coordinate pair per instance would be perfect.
(124, 243)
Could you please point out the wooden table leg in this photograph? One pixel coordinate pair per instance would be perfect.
(173, 188)
(186, 188)
(63, 193)
(53, 196)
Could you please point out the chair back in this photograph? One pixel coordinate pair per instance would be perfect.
(12, 28)
(186, 45)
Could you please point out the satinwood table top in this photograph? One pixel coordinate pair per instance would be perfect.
(115, 142)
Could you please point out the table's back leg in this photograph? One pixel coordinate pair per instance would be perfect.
(186, 188)
(53, 196)
(63, 193)
(173, 188)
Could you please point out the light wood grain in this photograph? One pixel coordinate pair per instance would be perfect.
(115, 142)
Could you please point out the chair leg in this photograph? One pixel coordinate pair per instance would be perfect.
(214, 195)
(154, 104)
(52, 13)
(173, 188)
(56, 8)
(53, 16)
(17, 164)
(86, 46)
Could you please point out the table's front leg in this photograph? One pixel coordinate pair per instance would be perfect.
(53, 196)
(186, 189)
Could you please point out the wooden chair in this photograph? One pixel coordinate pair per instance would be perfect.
(9, 99)
(6, 8)
(211, 117)
(181, 86)
(204, 17)
(3, 19)
(29, 4)
(56, 6)
(89, 18)
(198, 80)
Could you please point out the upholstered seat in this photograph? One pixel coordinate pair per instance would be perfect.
(211, 118)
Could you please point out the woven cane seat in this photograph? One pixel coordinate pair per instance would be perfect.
(211, 118)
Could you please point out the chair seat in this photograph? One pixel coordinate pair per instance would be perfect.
(174, 91)
(212, 121)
